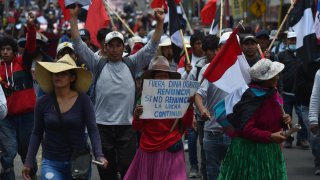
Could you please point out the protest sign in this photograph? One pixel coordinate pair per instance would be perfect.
(166, 99)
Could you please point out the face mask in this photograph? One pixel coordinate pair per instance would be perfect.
(292, 47)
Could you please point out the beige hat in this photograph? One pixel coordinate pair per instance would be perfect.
(165, 41)
(265, 69)
(63, 45)
(112, 35)
(160, 63)
(44, 70)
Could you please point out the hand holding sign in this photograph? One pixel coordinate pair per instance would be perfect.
(166, 99)
(138, 111)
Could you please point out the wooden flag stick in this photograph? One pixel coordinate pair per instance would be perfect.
(109, 14)
(282, 23)
(260, 51)
(117, 15)
(184, 46)
(188, 23)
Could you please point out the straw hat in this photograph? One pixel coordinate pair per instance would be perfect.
(265, 69)
(160, 63)
(44, 70)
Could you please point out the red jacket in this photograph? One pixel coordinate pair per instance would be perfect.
(155, 134)
(19, 92)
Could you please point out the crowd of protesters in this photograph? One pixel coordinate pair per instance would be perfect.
(58, 89)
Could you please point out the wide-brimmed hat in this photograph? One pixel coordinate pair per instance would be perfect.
(265, 69)
(44, 70)
(160, 63)
(165, 41)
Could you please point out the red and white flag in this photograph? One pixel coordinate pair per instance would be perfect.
(229, 70)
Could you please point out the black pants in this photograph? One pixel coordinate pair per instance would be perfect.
(119, 147)
(203, 168)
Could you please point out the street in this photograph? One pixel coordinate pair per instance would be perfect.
(299, 165)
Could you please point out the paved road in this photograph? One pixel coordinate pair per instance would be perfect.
(299, 165)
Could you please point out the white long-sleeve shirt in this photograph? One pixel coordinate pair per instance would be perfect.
(315, 100)
(3, 104)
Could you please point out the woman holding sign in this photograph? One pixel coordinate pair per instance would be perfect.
(160, 155)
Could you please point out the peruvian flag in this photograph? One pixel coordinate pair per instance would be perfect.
(94, 23)
(208, 12)
(229, 70)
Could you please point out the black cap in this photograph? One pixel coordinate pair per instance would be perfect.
(262, 33)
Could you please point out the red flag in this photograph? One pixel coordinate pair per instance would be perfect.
(65, 12)
(208, 12)
(97, 18)
(229, 70)
(161, 3)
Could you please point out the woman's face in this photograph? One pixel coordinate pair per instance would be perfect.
(63, 79)
(161, 75)
(273, 82)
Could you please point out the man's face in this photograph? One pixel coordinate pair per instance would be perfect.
(197, 48)
(210, 53)
(263, 42)
(7, 53)
(167, 52)
(114, 49)
(249, 48)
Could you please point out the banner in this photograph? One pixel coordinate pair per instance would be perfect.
(166, 99)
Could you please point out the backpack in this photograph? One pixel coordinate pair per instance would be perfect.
(98, 71)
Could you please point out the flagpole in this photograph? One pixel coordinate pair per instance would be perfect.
(117, 15)
(110, 17)
(282, 23)
(221, 15)
(188, 23)
(184, 46)
(260, 51)
(188, 61)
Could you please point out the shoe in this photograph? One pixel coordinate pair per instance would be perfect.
(317, 172)
(288, 144)
(194, 172)
(303, 144)
(185, 145)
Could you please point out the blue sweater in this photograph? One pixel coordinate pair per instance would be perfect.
(48, 130)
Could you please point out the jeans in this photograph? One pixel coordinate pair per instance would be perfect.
(15, 132)
(314, 138)
(289, 103)
(119, 147)
(215, 147)
(192, 148)
(200, 128)
(55, 170)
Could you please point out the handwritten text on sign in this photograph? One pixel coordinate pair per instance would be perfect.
(162, 99)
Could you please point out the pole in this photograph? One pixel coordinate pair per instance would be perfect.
(117, 15)
(221, 17)
(184, 47)
(108, 11)
(282, 23)
(188, 23)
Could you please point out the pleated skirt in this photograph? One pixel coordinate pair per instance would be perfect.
(248, 160)
(162, 165)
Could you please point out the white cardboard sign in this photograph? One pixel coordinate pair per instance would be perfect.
(166, 99)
